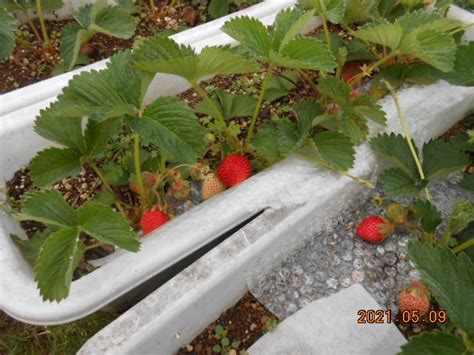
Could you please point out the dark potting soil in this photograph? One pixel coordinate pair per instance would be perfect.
(28, 66)
(246, 322)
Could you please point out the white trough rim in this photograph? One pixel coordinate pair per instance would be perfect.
(51, 87)
(179, 310)
(18, 294)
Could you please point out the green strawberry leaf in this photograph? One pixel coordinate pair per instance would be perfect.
(461, 216)
(251, 34)
(333, 10)
(265, 143)
(97, 135)
(66, 131)
(288, 139)
(467, 182)
(395, 148)
(398, 183)
(434, 343)
(307, 111)
(106, 225)
(430, 216)
(30, 248)
(163, 55)
(53, 164)
(7, 34)
(451, 280)
(171, 125)
(218, 8)
(354, 125)
(442, 158)
(231, 106)
(305, 53)
(336, 150)
(365, 106)
(58, 258)
(336, 89)
(280, 85)
(105, 198)
(73, 37)
(463, 73)
(92, 94)
(289, 24)
(385, 34)
(47, 207)
(113, 21)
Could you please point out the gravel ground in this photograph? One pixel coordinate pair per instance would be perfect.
(336, 258)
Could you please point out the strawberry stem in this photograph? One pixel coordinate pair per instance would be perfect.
(263, 90)
(107, 186)
(408, 138)
(464, 246)
(138, 169)
(364, 182)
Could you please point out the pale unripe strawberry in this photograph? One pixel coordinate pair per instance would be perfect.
(415, 298)
(211, 186)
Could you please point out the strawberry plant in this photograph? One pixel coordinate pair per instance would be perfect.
(91, 19)
(8, 30)
(61, 246)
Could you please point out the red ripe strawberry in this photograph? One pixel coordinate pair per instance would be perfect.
(415, 298)
(211, 186)
(234, 169)
(374, 229)
(152, 219)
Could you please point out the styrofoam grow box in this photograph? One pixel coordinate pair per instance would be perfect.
(289, 183)
(50, 88)
(175, 313)
(122, 271)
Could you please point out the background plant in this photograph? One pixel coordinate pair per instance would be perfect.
(99, 17)
(8, 25)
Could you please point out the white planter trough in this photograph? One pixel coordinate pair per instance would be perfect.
(50, 88)
(178, 311)
(290, 192)
(19, 143)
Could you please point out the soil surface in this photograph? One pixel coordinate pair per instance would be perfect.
(246, 322)
(30, 65)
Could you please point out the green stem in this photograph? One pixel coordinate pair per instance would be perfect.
(26, 44)
(209, 101)
(107, 186)
(464, 246)
(138, 168)
(94, 246)
(357, 78)
(32, 25)
(326, 33)
(152, 6)
(263, 90)
(461, 29)
(217, 112)
(364, 182)
(406, 131)
(42, 22)
(308, 80)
